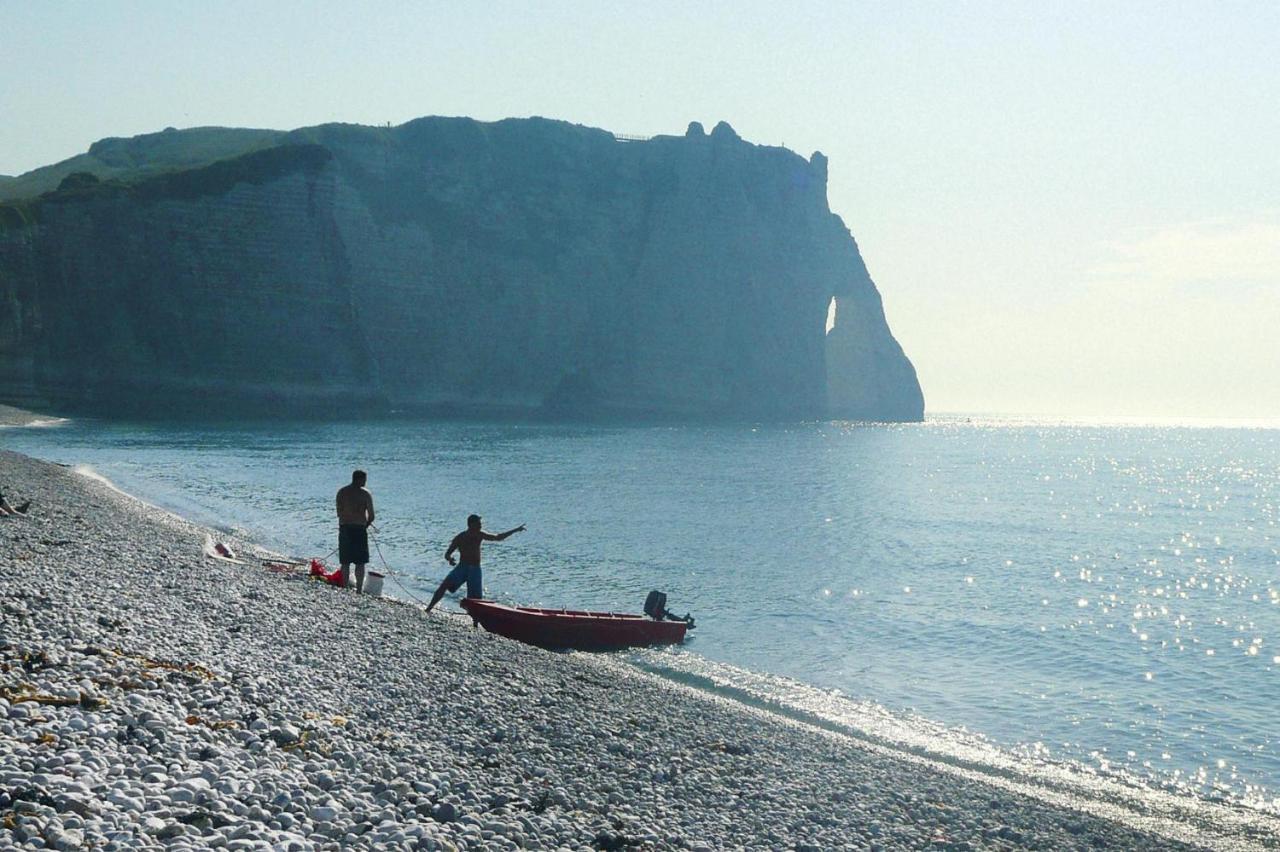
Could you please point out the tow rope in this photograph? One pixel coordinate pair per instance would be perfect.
(394, 575)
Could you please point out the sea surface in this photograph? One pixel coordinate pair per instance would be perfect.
(1100, 596)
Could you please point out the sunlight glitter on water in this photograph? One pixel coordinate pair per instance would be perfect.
(1042, 582)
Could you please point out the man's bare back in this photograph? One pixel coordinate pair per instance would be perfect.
(355, 505)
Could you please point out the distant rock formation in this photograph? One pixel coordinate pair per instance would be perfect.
(521, 267)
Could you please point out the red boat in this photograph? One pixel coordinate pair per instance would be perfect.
(557, 629)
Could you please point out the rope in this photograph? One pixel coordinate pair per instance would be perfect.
(395, 576)
(392, 574)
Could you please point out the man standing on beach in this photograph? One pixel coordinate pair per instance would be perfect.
(355, 514)
(467, 569)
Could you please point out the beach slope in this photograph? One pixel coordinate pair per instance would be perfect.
(152, 696)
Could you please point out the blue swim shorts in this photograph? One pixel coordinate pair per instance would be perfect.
(470, 574)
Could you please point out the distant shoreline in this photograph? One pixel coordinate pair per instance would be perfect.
(13, 416)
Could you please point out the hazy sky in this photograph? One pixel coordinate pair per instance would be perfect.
(1070, 208)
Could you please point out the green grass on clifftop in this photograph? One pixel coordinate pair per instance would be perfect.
(128, 159)
(256, 167)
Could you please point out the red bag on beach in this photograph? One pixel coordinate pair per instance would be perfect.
(333, 578)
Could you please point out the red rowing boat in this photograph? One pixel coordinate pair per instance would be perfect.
(565, 628)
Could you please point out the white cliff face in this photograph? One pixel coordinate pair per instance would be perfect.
(519, 267)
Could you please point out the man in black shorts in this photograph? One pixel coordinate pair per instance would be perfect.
(355, 514)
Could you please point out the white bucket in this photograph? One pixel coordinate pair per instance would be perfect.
(373, 583)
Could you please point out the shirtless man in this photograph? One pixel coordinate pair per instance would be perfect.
(467, 569)
(355, 514)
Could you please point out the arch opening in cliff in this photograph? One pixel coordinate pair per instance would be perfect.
(657, 281)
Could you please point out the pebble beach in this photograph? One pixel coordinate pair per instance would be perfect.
(153, 697)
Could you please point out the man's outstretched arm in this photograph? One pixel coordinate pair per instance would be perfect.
(501, 536)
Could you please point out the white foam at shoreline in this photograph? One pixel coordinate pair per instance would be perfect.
(89, 473)
(169, 516)
(1177, 814)
(38, 423)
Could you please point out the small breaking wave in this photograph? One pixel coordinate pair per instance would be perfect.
(1169, 811)
(89, 473)
(38, 423)
(175, 514)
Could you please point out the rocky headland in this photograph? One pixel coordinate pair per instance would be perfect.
(520, 267)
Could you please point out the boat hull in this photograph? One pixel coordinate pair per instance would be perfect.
(557, 629)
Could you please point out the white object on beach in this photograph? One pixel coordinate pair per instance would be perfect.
(219, 550)
(373, 584)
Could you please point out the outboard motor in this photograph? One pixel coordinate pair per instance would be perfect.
(655, 606)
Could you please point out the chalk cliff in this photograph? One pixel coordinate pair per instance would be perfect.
(517, 267)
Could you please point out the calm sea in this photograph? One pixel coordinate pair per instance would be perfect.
(1105, 596)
